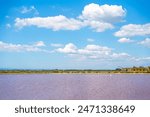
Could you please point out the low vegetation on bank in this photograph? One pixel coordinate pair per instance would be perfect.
(87, 71)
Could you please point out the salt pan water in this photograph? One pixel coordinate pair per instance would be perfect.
(75, 86)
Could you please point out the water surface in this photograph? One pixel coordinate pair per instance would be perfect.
(75, 86)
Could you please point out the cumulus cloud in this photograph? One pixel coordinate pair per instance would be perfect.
(55, 23)
(30, 9)
(99, 53)
(19, 47)
(91, 52)
(102, 17)
(133, 30)
(69, 48)
(125, 40)
(145, 42)
(98, 26)
(95, 52)
(39, 44)
(103, 13)
(99, 18)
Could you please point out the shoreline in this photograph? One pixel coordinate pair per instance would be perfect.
(71, 73)
(78, 71)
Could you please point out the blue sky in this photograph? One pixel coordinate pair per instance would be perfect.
(74, 34)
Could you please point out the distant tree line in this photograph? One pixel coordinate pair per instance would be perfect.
(78, 71)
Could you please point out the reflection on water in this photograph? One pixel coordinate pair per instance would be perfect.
(75, 86)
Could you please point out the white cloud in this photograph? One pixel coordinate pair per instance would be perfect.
(19, 48)
(95, 51)
(120, 55)
(55, 23)
(8, 26)
(69, 48)
(99, 18)
(30, 9)
(98, 26)
(125, 40)
(146, 58)
(56, 45)
(92, 52)
(134, 30)
(39, 44)
(90, 40)
(102, 17)
(137, 59)
(100, 53)
(145, 42)
(103, 13)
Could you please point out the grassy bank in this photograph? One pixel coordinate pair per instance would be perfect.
(65, 72)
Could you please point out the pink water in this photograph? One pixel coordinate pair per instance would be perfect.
(75, 86)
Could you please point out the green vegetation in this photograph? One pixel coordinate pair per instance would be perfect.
(136, 70)
(87, 71)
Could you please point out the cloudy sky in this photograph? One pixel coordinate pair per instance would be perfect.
(74, 34)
